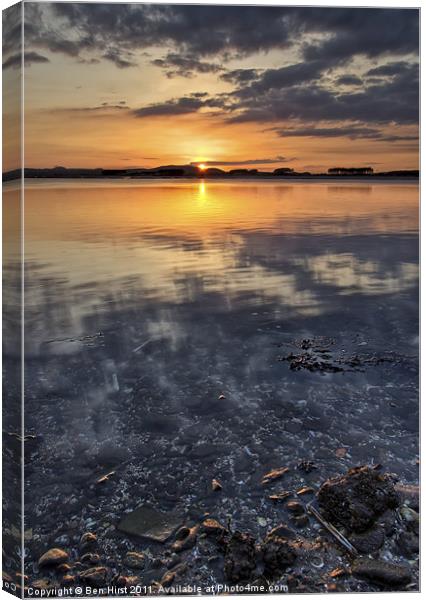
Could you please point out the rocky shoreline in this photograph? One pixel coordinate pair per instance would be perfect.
(356, 532)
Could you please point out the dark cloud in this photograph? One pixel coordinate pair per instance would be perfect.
(177, 106)
(208, 31)
(343, 131)
(250, 161)
(349, 80)
(390, 101)
(104, 108)
(15, 60)
(120, 61)
(390, 69)
(184, 66)
(241, 76)
(370, 32)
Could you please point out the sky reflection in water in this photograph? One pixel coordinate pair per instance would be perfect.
(146, 301)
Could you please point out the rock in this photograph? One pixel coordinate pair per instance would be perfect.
(64, 568)
(277, 554)
(128, 580)
(135, 560)
(280, 496)
(295, 507)
(187, 542)
(369, 541)
(337, 572)
(149, 523)
(411, 517)
(240, 557)
(305, 490)
(356, 499)
(68, 580)
(307, 466)
(170, 576)
(88, 540)
(381, 572)
(213, 528)
(301, 521)
(182, 533)
(105, 478)
(53, 558)
(91, 558)
(282, 531)
(95, 576)
(294, 426)
(216, 485)
(408, 544)
(41, 584)
(409, 495)
(274, 475)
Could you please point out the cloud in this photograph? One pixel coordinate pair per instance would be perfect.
(104, 108)
(349, 80)
(395, 101)
(250, 161)
(390, 69)
(184, 66)
(350, 132)
(179, 106)
(120, 61)
(221, 32)
(241, 76)
(15, 60)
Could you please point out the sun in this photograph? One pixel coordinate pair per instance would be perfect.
(202, 166)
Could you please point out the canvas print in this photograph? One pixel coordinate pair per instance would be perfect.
(210, 274)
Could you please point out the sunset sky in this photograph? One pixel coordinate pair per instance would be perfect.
(123, 85)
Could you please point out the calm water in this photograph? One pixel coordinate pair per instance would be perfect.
(156, 314)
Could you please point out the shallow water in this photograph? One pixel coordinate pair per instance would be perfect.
(156, 315)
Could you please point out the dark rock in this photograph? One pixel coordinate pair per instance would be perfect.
(53, 558)
(63, 568)
(91, 558)
(216, 485)
(307, 466)
(294, 426)
(277, 554)
(409, 495)
(368, 541)
(356, 499)
(135, 560)
(295, 507)
(87, 541)
(301, 521)
(213, 528)
(408, 544)
(151, 524)
(95, 576)
(240, 557)
(68, 580)
(383, 573)
(170, 576)
(187, 542)
(282, 531)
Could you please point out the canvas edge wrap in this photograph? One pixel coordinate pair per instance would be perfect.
(13, 392)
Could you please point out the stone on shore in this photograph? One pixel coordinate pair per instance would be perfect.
(149, 523)
(357, 499)
(53, 558)
(381, 572)
(95, 576)
(240, 557)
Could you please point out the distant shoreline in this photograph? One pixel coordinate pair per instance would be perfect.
(275, 178)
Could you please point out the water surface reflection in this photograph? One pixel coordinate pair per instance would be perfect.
(156, 314)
